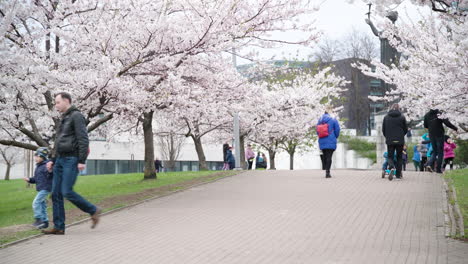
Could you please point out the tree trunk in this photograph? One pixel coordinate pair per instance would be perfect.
(291, 160)
(150, 170)
(7, 174)
(272, 159)
(200, 153)
(242, 153)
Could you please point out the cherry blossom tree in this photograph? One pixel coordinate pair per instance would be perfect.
(433, 71)
(10, 156)
(294, 105)
(112, 47)
(35, 64)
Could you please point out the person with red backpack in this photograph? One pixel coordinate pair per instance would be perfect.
(328, 131)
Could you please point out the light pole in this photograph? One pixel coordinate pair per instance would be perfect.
(236, 124)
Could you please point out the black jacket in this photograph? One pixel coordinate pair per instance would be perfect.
(225, 149)
(435, 124)
(72, 136)
(394, 128)
(42, 177)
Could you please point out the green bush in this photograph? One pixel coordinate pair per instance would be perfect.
(362, 147)
(461, 153)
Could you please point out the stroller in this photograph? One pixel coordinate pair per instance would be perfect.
(386, 171)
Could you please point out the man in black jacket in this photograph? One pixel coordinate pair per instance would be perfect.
(71, 151)
(394, 129)
(435, 126)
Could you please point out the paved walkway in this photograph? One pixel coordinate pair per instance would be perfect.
(268, 217)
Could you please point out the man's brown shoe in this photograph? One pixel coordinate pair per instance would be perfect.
(53, 231)
(95, 217)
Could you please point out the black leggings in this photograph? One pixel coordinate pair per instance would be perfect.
(327, 158)
(448, 161)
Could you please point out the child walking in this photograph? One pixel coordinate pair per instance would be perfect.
(416, 158)
(43, 180)
(449, 153)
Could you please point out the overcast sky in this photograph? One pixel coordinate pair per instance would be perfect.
(335, 19)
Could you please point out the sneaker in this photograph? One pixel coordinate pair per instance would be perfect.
(95, 217)
(43, 225)
(37, 223)
(383, 174)
(53, 231)
(429, 168)
(390, 175)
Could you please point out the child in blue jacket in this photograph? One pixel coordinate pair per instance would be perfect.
(43, 180)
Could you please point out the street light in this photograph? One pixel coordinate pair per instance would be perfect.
(236, 124)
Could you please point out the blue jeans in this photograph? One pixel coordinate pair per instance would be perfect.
(65, 173)
(437, 152)
(39, 205)
(385, 165)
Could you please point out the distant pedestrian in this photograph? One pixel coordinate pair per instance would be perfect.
(249, 156)
(435, 125)
(265, 161)
(158, 165)
(260, 162)
(409, 134)
(394, 129)
(422, 149)
(71, 151)
(230, 159)
(449, 152)
(416, 158)
(328, 131)
(404, 156)
(225, 149)
(43, 180)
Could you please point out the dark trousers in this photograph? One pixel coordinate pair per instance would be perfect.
(327, 158)
(250, 161)
(423, 164)
(391, 153)
(437, 152)
(448, 161)
(65, 174)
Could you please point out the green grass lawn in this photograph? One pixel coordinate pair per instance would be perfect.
(460, 181)
(16, 198)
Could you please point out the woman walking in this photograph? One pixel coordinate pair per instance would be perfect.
(328, 131)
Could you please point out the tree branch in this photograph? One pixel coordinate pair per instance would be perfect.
(18, 144)
(100, 122)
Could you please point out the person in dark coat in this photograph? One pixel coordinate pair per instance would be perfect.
(260, 162)
(435, 126)
(230, 159)
(328, 144)
(225, 149)
(43, 180)
(394, 129)
(71, 151)
(158, 165)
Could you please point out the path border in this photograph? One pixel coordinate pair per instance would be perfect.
(127, 207)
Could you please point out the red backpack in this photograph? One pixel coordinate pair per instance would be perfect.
(322, 130)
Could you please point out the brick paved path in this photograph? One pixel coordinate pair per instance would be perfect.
(268, 217)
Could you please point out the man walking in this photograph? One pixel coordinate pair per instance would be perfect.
(71, 151)
(435, 126)
(394, 129)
